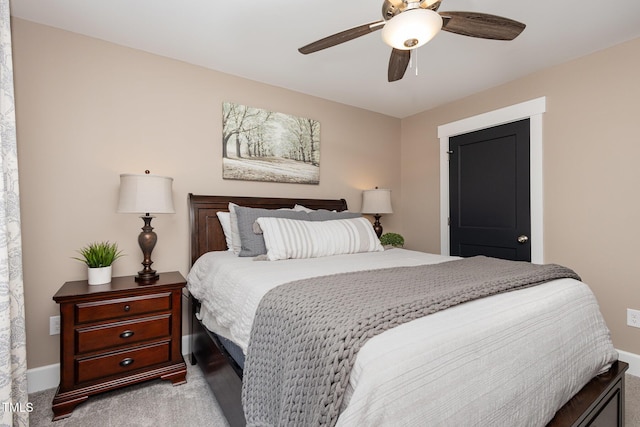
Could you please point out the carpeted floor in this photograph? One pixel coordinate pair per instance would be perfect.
(154, 403)
(159, 404)
(632, 401)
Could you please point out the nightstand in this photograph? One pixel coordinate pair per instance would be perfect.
(116, 335)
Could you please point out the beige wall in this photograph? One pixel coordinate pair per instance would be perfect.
(89, 110)
(591, 143)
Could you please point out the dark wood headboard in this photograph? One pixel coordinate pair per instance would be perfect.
(206, 231)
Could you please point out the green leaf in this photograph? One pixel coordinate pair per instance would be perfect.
(393, 239)
(99, 254)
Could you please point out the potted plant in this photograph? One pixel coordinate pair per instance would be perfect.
(99, 256)
(392, 239)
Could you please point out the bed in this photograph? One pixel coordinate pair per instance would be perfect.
(599, 402)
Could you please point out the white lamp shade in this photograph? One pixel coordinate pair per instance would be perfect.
(145, 194)
(411, 29)
(376, 201)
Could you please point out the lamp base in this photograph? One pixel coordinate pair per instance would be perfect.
(377, 227)
(146, 277)
(147, 241)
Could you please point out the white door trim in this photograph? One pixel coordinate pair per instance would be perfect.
(533, 110)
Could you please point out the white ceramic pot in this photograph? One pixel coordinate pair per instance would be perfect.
(99, 276)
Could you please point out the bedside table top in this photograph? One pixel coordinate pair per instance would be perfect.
(124, 284)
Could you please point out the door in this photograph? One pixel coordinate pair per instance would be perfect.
(489, 192)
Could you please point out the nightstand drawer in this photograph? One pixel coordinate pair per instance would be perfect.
(119, 363)
(114, 308)
(122, 333)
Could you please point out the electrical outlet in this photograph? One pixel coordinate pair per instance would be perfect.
(633, 317)
(54, 325)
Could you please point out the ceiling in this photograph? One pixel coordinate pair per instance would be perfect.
(259, 39)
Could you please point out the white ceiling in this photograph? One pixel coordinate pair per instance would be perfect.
(259, 39)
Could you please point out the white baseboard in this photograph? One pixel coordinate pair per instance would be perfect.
(43, 378)
(46, 377)
(633, 360)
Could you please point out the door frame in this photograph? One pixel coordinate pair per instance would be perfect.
(532, 110)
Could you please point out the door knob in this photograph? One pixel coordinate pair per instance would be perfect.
(523, 239)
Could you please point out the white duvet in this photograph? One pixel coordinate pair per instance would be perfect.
(508, 360)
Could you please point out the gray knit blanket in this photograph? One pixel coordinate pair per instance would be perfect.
(306, 334)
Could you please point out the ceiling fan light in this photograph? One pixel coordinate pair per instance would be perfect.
(411, 29)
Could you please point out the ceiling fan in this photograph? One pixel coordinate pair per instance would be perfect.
(408, 24)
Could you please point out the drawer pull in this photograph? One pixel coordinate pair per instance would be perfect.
(127, 307)
(126, 362)
(126, 334)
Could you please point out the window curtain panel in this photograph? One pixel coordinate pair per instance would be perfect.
(13, 353)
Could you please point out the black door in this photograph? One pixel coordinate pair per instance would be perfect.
(489, 192)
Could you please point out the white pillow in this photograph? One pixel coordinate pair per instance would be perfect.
(225, 222)
(290, 238)
(301, 208)
(235, 233)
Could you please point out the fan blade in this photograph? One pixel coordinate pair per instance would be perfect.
(481, 25)
(341, 37)
(398, 63)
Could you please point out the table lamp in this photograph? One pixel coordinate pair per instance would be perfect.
(376, 202)
(146, 194)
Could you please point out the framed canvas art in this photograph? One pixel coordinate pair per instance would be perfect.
(260, 145)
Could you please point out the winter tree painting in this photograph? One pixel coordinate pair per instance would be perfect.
(259, 145)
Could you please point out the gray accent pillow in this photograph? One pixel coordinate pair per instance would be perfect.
(252, 244)
(325, 215)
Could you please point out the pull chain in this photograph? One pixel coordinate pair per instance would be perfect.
(413, 59)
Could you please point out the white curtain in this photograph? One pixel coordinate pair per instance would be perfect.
(13, 355)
